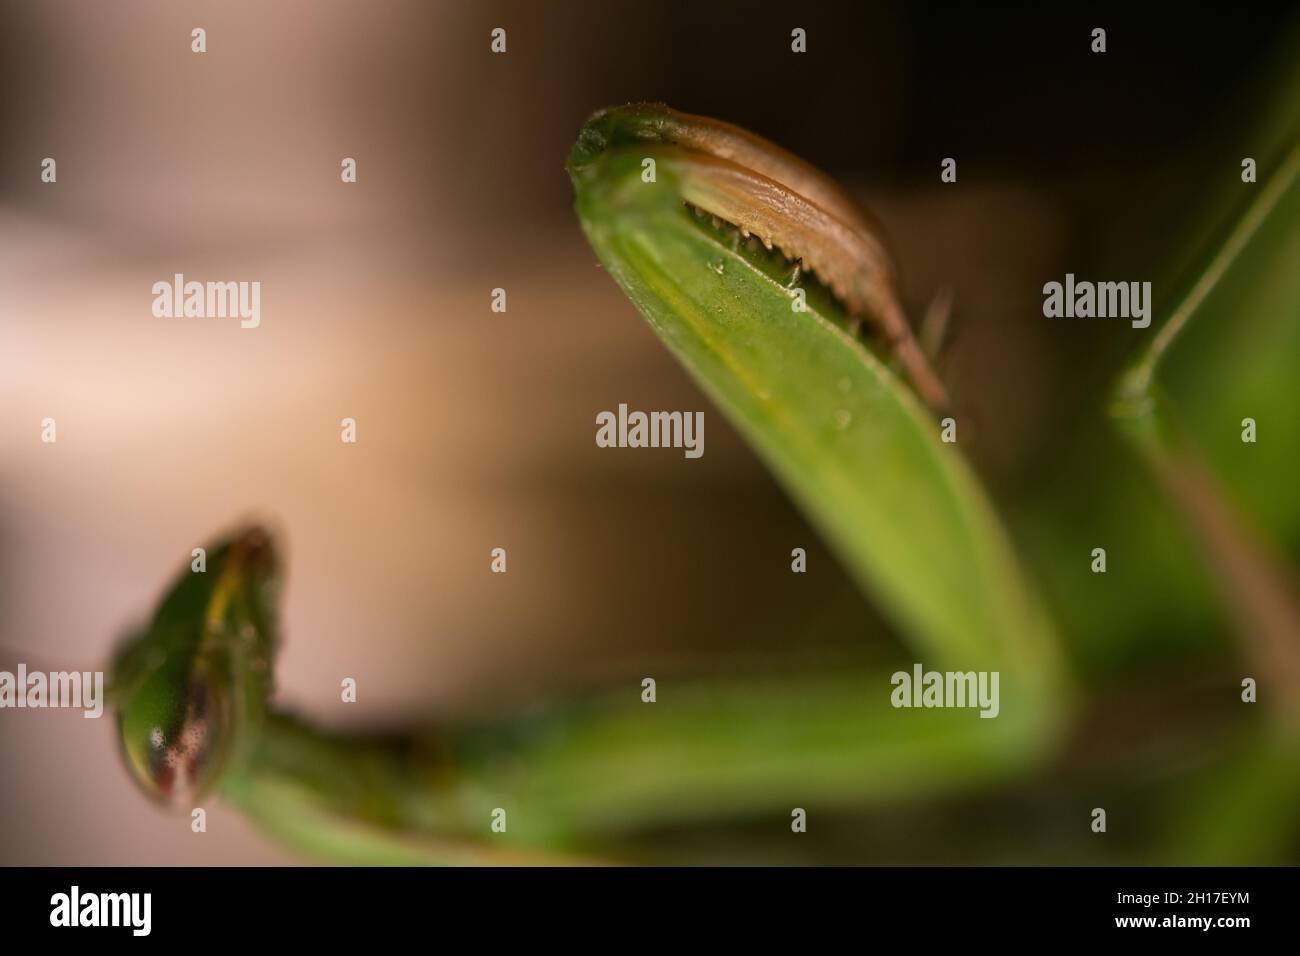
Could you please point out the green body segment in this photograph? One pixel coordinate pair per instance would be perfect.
(844, 434)
(579, 773)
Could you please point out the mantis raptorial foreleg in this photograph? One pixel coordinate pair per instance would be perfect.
(770, 194)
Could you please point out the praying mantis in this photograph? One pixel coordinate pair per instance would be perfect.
(192, 696)
(712, 247)
(192, 691)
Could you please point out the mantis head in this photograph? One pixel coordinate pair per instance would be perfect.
(190, 690)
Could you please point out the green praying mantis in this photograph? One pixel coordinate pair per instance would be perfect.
(192, 690)
(759, 273)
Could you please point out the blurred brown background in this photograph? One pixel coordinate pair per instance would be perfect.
(476, 429)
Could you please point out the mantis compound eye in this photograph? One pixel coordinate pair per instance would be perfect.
(176, 742)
